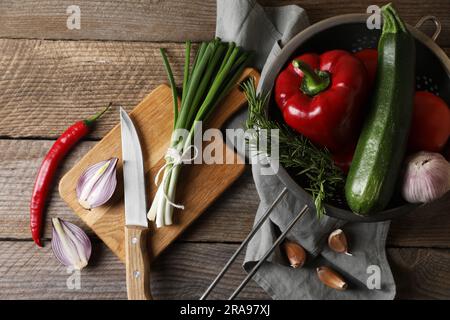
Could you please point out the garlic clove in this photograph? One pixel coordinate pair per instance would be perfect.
(70, 244)
(331, 278)
(295, 253)
(426, 177)
(97, 184)
(337, 241)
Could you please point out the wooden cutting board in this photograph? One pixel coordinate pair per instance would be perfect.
(200, 184)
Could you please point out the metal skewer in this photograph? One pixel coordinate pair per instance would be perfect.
(244, 243)
(268, 253)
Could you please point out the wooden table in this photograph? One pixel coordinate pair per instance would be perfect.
(51, 76)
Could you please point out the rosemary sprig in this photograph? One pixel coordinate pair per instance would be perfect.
(324, 180)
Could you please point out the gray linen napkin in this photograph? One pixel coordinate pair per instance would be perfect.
(266, 30)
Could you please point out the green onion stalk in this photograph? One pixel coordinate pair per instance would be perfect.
(216, 68)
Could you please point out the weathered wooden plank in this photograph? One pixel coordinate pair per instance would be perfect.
(424, 228)
(170, 20)
(48, 85)
(147, 20)
(229, 219)
(421, 273)
(185, 271)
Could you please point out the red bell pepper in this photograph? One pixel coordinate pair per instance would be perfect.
(321, 97)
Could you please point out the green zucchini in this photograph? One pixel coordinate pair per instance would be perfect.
(381, 147)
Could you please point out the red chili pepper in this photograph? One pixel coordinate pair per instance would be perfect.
(48, 168)
(321, 97)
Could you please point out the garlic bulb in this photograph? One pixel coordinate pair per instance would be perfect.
(427, 177)
(97, 184)
(70, 245)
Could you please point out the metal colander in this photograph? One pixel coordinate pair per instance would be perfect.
(349, 32)
(346, 32)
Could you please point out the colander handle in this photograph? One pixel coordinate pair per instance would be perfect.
(436, 22)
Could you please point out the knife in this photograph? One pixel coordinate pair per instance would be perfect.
(136, 225)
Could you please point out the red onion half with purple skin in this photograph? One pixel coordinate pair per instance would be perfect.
(97, 184)
(70, 244)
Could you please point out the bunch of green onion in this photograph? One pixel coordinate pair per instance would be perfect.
(215, 70)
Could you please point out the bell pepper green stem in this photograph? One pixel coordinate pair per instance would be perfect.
(314, 82)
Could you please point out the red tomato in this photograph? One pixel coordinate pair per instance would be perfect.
(369, 58)
(430, 127)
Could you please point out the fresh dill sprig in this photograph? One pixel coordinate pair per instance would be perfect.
(324, 180)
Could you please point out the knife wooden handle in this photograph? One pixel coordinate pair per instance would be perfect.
(137, 263)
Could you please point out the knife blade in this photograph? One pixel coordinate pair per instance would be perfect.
(136, 225)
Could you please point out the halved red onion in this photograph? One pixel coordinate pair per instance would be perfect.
(97, 184)
(70, 244)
